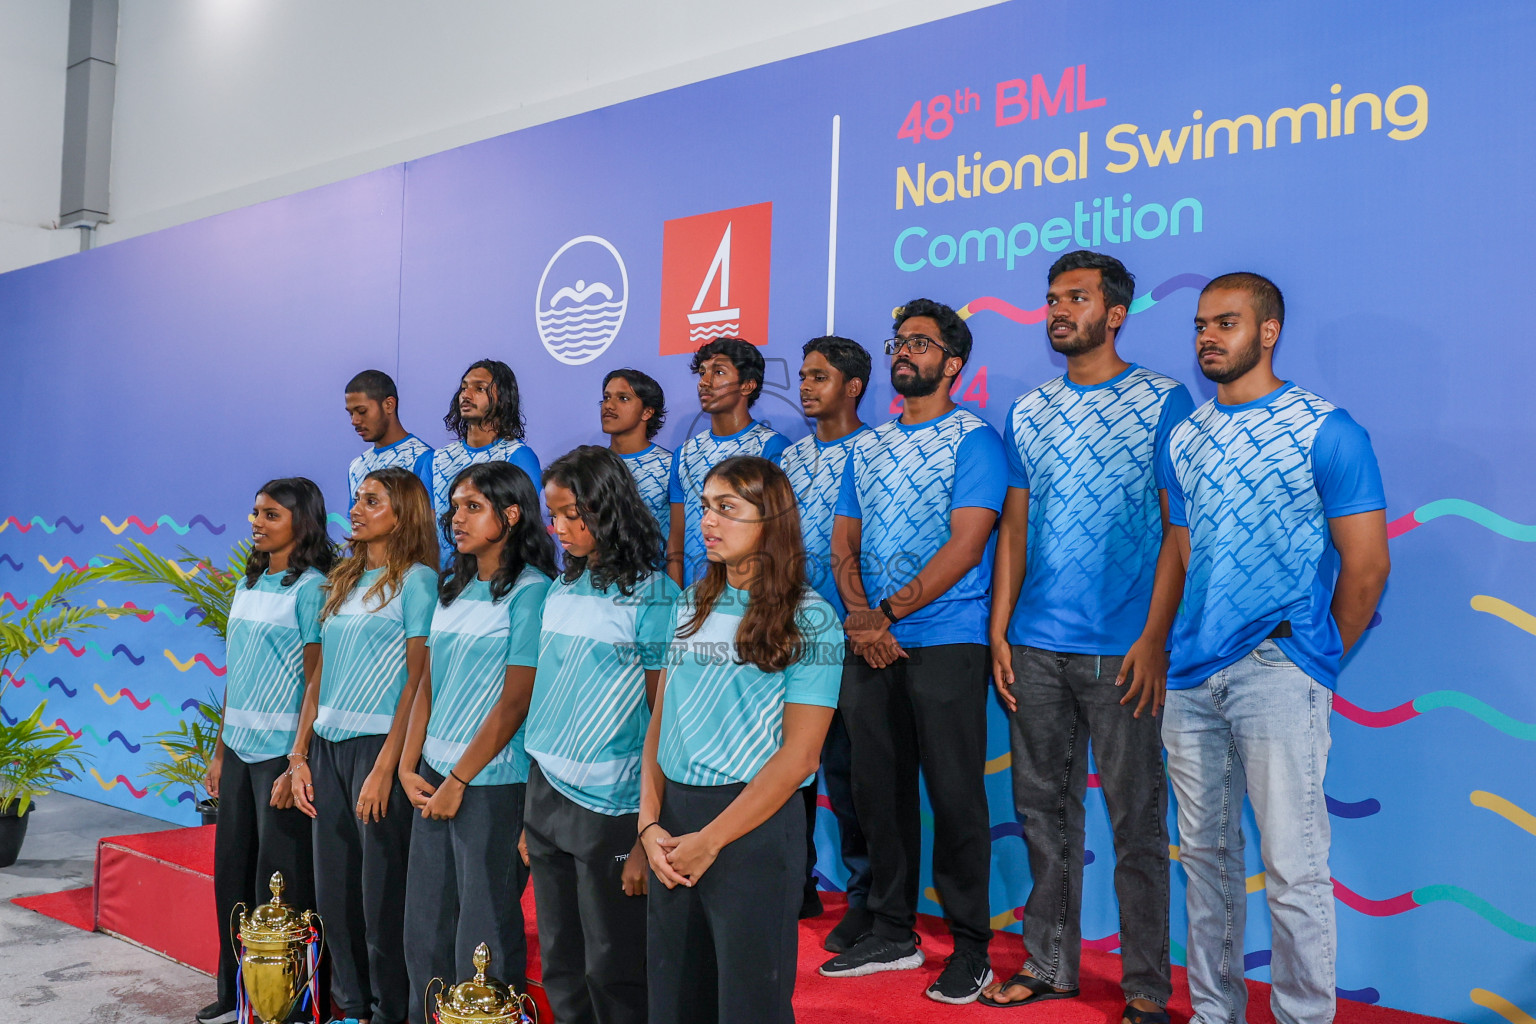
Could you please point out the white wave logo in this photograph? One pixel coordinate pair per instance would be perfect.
(581, 300)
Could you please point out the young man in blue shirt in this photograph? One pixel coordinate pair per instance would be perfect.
(730, 373)
(1079, 638)
(912, 542)
(632, 412)
(1277, 524)
(833, 379)
(373, 405)
(486, 417)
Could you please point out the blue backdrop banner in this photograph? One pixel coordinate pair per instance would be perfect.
(1369, 160)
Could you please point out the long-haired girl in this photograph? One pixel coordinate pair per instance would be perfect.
(273, 641)
(373, 630)
(606, 628)
(743, 709)
(463, 766)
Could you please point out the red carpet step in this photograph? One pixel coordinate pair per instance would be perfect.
(75, 907)
(156, 890)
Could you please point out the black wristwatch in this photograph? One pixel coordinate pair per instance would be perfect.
(885, 606)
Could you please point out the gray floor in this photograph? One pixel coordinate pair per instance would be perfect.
(51, 973)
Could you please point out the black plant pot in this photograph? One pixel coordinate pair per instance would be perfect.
(13, 829)
(209, 809)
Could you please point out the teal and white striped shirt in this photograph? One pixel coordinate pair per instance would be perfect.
(363, 672)
(269, 626)
(473, 641)
(721, 721)
(586, 726)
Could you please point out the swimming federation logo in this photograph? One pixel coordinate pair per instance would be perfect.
(581, 299)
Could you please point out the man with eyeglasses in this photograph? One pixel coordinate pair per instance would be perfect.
(912, 542)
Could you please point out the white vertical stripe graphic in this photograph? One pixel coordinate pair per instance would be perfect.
(837, 122)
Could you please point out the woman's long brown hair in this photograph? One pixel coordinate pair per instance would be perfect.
(770, 635)
(412, 541)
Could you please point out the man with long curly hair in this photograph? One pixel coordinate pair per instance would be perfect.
(486, 417)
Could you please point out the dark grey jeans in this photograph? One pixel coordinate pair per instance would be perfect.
(1063, 699)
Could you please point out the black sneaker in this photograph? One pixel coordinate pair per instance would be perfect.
(965, 974)
(871, 955)
(215, 1013)
(855, 924)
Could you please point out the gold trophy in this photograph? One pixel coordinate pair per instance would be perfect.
(482, 1000)
(274, 964)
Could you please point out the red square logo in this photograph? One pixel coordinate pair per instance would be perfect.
(714, 277)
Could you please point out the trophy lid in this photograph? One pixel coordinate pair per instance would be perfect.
(274, 919)
(481, 998)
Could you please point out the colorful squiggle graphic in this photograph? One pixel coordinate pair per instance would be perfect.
(17, 602)
(212, 528)
(182, 666)
(132, 748)
(1513, 813)
(1431, 702)
(138, 794)
(1263, 957)
(1517, 617)
(54, 568)
(144, 704)
(91, 645)
(20, 681)
(1501, 1006)
(1006, 309)
(8, 560)
(1434, 894)
(1486, 518)
(1359, 809)
(39, 521)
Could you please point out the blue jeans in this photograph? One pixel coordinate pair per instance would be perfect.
(1259, 724)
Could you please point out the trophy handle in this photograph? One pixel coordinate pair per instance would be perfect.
(426, 996)
(529, 1008)
(235, 914)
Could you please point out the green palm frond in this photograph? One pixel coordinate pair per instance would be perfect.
(33, 758)
(194, 578)
(50, 618)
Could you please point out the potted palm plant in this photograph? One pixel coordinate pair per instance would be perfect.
(209, 589)
(34, 756)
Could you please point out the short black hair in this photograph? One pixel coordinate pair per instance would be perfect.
(376, 384)
(1116, 283)
(742, 354)
(1268, 303)
(506, 410)
(648, 391)
(847, 356)
(956, 335)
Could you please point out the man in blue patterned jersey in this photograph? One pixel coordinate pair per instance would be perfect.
(833, 379)
(374, 404)
(1278, 521)
(912, 543)
(632, 411)
(730, 373)
(1079, 640)
(486, 416)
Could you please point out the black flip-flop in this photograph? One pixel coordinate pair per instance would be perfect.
(1040, 992)
(1132, 1015)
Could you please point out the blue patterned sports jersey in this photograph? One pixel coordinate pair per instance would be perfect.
(473, 641)
(652, 470)
(1256, 485)
(586, 725)
(903, 482)
(721, 721)
(1089, 458)
(692, 463)
(815, 471)
(452, 458)
(364, 670)
(410, 452)
(269, 627)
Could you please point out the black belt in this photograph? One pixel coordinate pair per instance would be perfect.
(1281, 631)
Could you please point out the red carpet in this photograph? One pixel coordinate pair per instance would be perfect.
(898, 995)
(74, 907)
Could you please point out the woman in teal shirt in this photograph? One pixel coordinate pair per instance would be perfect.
(607, 620)
(742, 710)
(379, 603)
(463, 765)
(273, 639)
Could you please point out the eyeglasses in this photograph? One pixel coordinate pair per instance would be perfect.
(917, 344)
